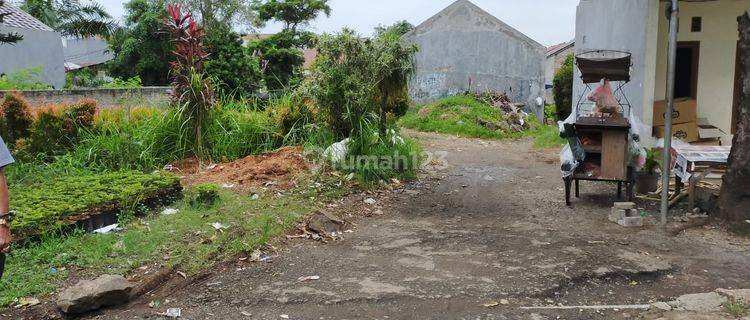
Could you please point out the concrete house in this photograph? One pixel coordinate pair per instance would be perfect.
(464, 48)
(556, 56)
(706, 55)
(85, 52)
(41, 47)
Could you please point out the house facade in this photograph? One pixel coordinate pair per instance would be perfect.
(556, 56)
(464, 48)
(41, 47)
(706, 54)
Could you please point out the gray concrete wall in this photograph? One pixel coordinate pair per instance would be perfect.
(617, 25)
(103, 97)
(464, 44)
(38, 48)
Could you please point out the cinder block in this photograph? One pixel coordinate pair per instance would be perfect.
(616, 215)
(624, 205)
(631, 222)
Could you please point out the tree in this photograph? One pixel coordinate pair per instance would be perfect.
(292, 13)
(142, 48)
(735, 190)
(229, 64)
(400, 27)
(394, 64)
(563, 88)
(282, 53)
(221, 12)
(7, 38)
(71, 17)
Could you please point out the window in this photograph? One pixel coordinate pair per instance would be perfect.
(696, 25)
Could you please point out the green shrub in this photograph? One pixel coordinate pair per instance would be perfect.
(16, 119)
(119, 83)
(203, 195)
(48, 206)
(229, 64)
(563, 88)
(57, 129)
(373, 157)
(25, 79)
(290, 111)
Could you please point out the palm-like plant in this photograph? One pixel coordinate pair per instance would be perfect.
(71, 17)
(394, 64)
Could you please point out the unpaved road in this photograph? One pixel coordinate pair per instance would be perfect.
(491, 228)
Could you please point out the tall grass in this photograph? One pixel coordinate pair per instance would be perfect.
(232, 134)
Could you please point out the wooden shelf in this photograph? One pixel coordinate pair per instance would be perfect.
(592, 149)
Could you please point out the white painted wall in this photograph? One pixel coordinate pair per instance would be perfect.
(716, 67)
(618, 25)
(38, 48)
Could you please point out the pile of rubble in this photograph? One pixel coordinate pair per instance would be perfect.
(514, 117)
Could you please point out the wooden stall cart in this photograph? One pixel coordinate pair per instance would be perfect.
(603, 136)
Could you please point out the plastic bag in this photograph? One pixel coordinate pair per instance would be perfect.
(605, 99)
(568, 163)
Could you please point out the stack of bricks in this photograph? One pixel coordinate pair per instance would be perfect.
(626, 215)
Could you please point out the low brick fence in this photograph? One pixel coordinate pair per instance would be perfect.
(103, 97)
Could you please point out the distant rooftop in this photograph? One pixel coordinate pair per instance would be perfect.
(20, 19)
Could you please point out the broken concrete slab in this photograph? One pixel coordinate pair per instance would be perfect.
(740, 295)
(325, 223)
(89, 295)
(645, 263)
(700, 302)
(630, 222)
(624, 205)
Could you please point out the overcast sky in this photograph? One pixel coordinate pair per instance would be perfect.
(546, 21)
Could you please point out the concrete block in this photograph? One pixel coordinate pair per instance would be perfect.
(624, 205)
(616, 215)
(631, 222)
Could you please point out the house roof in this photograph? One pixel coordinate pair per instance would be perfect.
(502, 26)
(18, 18)
(553, 50)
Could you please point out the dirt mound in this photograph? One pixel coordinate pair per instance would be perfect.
(279, 168)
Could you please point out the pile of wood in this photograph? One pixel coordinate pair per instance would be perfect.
(513, 116)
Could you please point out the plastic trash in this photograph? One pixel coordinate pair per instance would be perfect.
(169, 211)
(173, 313)
(604, 98)
(568, 163)
(336, 153)
(110, 228)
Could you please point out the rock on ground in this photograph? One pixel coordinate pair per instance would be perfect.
(107, 290)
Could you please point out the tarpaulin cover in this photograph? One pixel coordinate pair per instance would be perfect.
(604, 64)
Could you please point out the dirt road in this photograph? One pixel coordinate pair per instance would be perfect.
(478, 240)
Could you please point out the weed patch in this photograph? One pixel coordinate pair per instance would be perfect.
(463, 116)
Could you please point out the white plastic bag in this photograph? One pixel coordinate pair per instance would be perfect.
(568, 163)
(336, 153)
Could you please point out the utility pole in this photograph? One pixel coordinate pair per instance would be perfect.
(671, 62)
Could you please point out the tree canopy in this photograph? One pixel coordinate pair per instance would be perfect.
(71, 17)
(142, 48)
(292, 13)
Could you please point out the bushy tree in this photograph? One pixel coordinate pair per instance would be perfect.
(354, 78)
(221, 12)
(292, 13)
(142, 47)
(394, 64)
(71, 17)
(563, 88)
(282, 52)
(282, 56)
(8, 38)
(400, 27)
(231, 67)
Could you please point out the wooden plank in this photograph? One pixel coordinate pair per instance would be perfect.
(614, 147)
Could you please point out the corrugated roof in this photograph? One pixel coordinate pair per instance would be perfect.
(20, 19)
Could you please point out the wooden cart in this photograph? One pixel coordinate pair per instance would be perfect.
(605, 140)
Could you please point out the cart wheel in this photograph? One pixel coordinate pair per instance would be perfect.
(567, 190)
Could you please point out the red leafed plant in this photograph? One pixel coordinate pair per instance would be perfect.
(192, 91)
